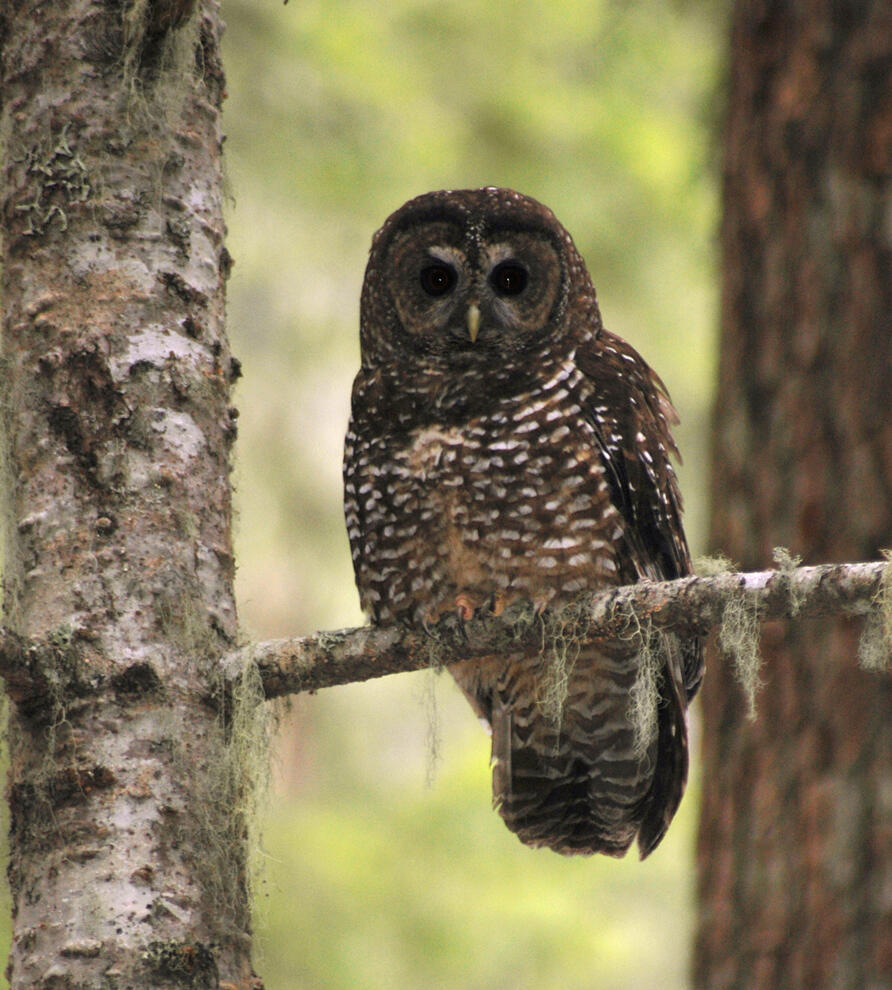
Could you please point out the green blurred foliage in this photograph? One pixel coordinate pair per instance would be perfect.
(398, 886)
(338, 112)
(382, 863)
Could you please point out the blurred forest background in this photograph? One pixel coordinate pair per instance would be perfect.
(382, 863)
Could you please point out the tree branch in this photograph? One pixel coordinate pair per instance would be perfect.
(690, 606)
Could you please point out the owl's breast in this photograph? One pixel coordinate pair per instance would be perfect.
(512, 504)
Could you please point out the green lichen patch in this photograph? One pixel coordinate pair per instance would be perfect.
(59, 180)
(714, 565)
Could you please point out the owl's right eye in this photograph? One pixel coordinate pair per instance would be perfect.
(437, 279)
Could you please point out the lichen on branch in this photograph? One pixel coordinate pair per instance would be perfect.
(690, 606)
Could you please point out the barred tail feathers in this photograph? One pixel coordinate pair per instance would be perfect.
(579, 784)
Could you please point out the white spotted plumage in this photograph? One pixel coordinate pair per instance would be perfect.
(526, 459)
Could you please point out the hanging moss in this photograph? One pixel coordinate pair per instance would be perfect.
(564, 631)
(158, 53)
(739, 639)
(646, 689)
(786, 564)
(875, 646)
(229, 793)
(740, 627)
(429, 703)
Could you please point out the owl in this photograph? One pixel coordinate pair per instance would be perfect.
(504, 447)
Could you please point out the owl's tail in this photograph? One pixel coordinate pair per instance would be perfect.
(579, 784)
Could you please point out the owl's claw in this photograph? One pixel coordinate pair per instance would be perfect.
(464, 612)
(496, 603)
(462, 628)
(464, 607)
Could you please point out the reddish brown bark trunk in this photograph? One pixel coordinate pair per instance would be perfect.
(795, 850)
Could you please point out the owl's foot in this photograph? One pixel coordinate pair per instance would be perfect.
(496, 603)
(464, 607)
(464, 611)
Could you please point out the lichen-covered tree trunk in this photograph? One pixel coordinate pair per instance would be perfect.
(795, 850)
(127, 861)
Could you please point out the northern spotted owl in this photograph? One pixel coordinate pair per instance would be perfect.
(504, 446)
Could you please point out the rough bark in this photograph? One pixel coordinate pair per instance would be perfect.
(127, 863)
(795, 850)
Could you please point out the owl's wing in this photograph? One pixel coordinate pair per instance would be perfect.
(358, 473)
(352, 507)
(632, 416)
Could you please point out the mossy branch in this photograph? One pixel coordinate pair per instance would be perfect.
(690, 606)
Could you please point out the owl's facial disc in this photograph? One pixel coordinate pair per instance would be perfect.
(463, 292)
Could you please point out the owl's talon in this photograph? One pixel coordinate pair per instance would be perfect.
(464, 607)
(462, 620)
(496, 603)
(464, 612)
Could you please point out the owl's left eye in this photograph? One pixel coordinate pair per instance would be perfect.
(509, 278)
(437, 279)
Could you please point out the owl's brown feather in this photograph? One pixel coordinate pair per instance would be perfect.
(529, 460)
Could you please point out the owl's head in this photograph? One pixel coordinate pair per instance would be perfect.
(470, 276)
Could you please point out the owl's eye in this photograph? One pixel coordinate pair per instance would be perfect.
(509, 278)
(437, 279)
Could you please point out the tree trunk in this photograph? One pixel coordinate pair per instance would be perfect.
(795, 849)
(127, 863)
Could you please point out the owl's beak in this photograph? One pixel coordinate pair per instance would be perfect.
(473, 321)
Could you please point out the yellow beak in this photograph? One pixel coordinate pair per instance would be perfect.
(473, 322)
